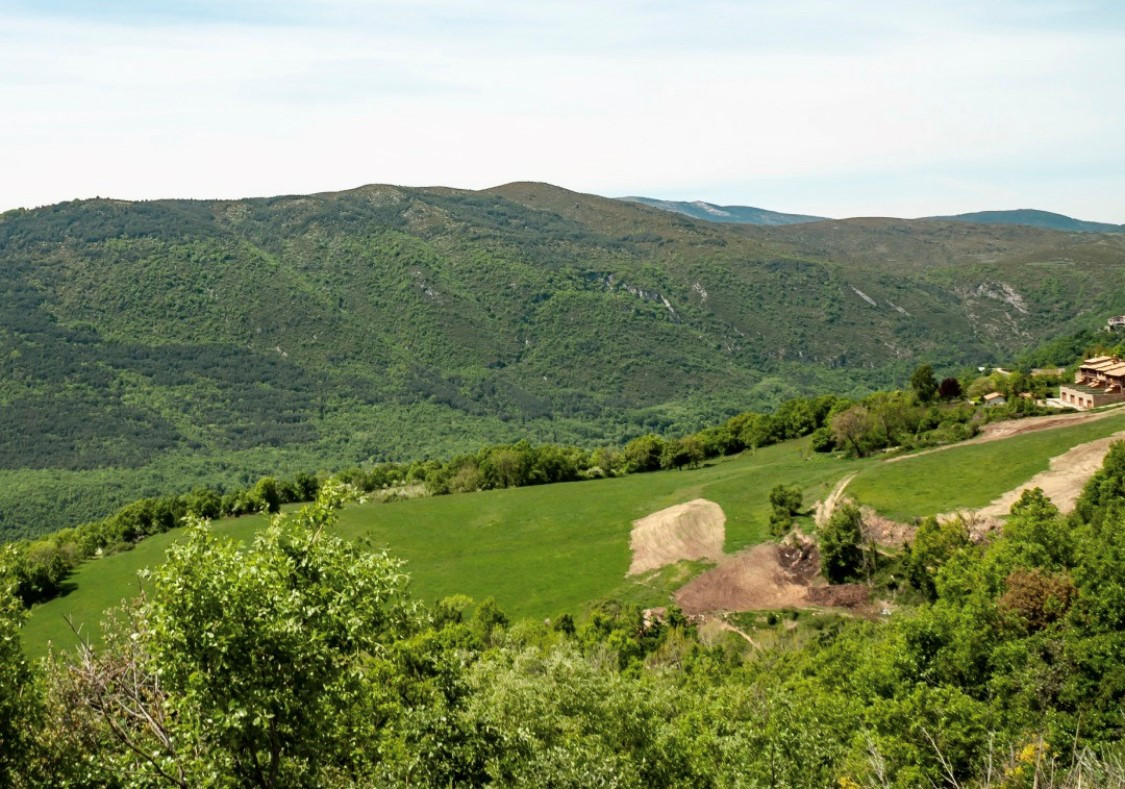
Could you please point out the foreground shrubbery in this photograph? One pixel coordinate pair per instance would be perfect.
(301, 660)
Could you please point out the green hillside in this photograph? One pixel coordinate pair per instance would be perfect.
(545, 550)
(539, 551)
(150, 347)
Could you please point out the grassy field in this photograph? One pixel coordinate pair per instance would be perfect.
(539, 551)
(542, 551)
(971, 475)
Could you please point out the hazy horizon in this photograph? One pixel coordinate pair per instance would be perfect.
(805, 106)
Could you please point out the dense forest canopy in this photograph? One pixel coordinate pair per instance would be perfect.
(167, 344)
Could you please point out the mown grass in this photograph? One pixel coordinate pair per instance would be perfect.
(539, 551)
(971, 475)
(542, 551)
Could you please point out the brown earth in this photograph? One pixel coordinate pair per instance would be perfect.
(694, 530)
(839, 596)
(884, 531)
(767, 577)
(751, 580)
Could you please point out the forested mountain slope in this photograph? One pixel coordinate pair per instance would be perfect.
(152, 346)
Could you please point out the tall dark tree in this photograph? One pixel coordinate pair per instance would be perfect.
(949, 389)
(924, 384)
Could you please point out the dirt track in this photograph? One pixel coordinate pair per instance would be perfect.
(1062, 481)
(997, 431)
(695, 530)
(824, 509)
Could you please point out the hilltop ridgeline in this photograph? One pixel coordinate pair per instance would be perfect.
(743, 214)
(213, 342)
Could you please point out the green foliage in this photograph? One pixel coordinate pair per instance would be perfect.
(643, 454)
(924, 384)
(270, 654)
(19, 701)
(394, 324)
(935, 543)
(839, 542)
(785, 503)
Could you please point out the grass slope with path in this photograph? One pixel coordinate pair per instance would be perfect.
(970, 475)
(540, 551)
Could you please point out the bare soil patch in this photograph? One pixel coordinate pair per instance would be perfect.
(695, 530)
(748, 581)
(839, 596)
(768, 577)
(884, 531)
(1062, 483)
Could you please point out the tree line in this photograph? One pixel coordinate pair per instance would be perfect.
(911, 418)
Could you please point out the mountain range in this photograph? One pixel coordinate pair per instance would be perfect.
(698, 209)
(151, 346)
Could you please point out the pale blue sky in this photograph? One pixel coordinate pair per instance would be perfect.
(815, 106)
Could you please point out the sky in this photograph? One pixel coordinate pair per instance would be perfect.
(828, 107)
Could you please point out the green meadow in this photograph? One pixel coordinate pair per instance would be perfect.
(542, 551)
(539, 551)
(971, 475)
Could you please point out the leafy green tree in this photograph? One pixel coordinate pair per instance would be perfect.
(19, 700)
(268, 654)
(822, 440)
(1103, 497)
(643, 453)
(923, 382)
(267, 495)
(934, 544)
(204, 503)
(307, 486)
(839, 540)
(785, 503)
(687, 451)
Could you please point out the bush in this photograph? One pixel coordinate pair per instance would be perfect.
(840, 554)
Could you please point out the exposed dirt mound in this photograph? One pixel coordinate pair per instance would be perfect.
(751, 580)
(766, 576)
(839, 596)
(695, 530)
(884, 531)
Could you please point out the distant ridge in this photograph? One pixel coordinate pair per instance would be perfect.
(742, 214)
(1033, 218)
(749, 215)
